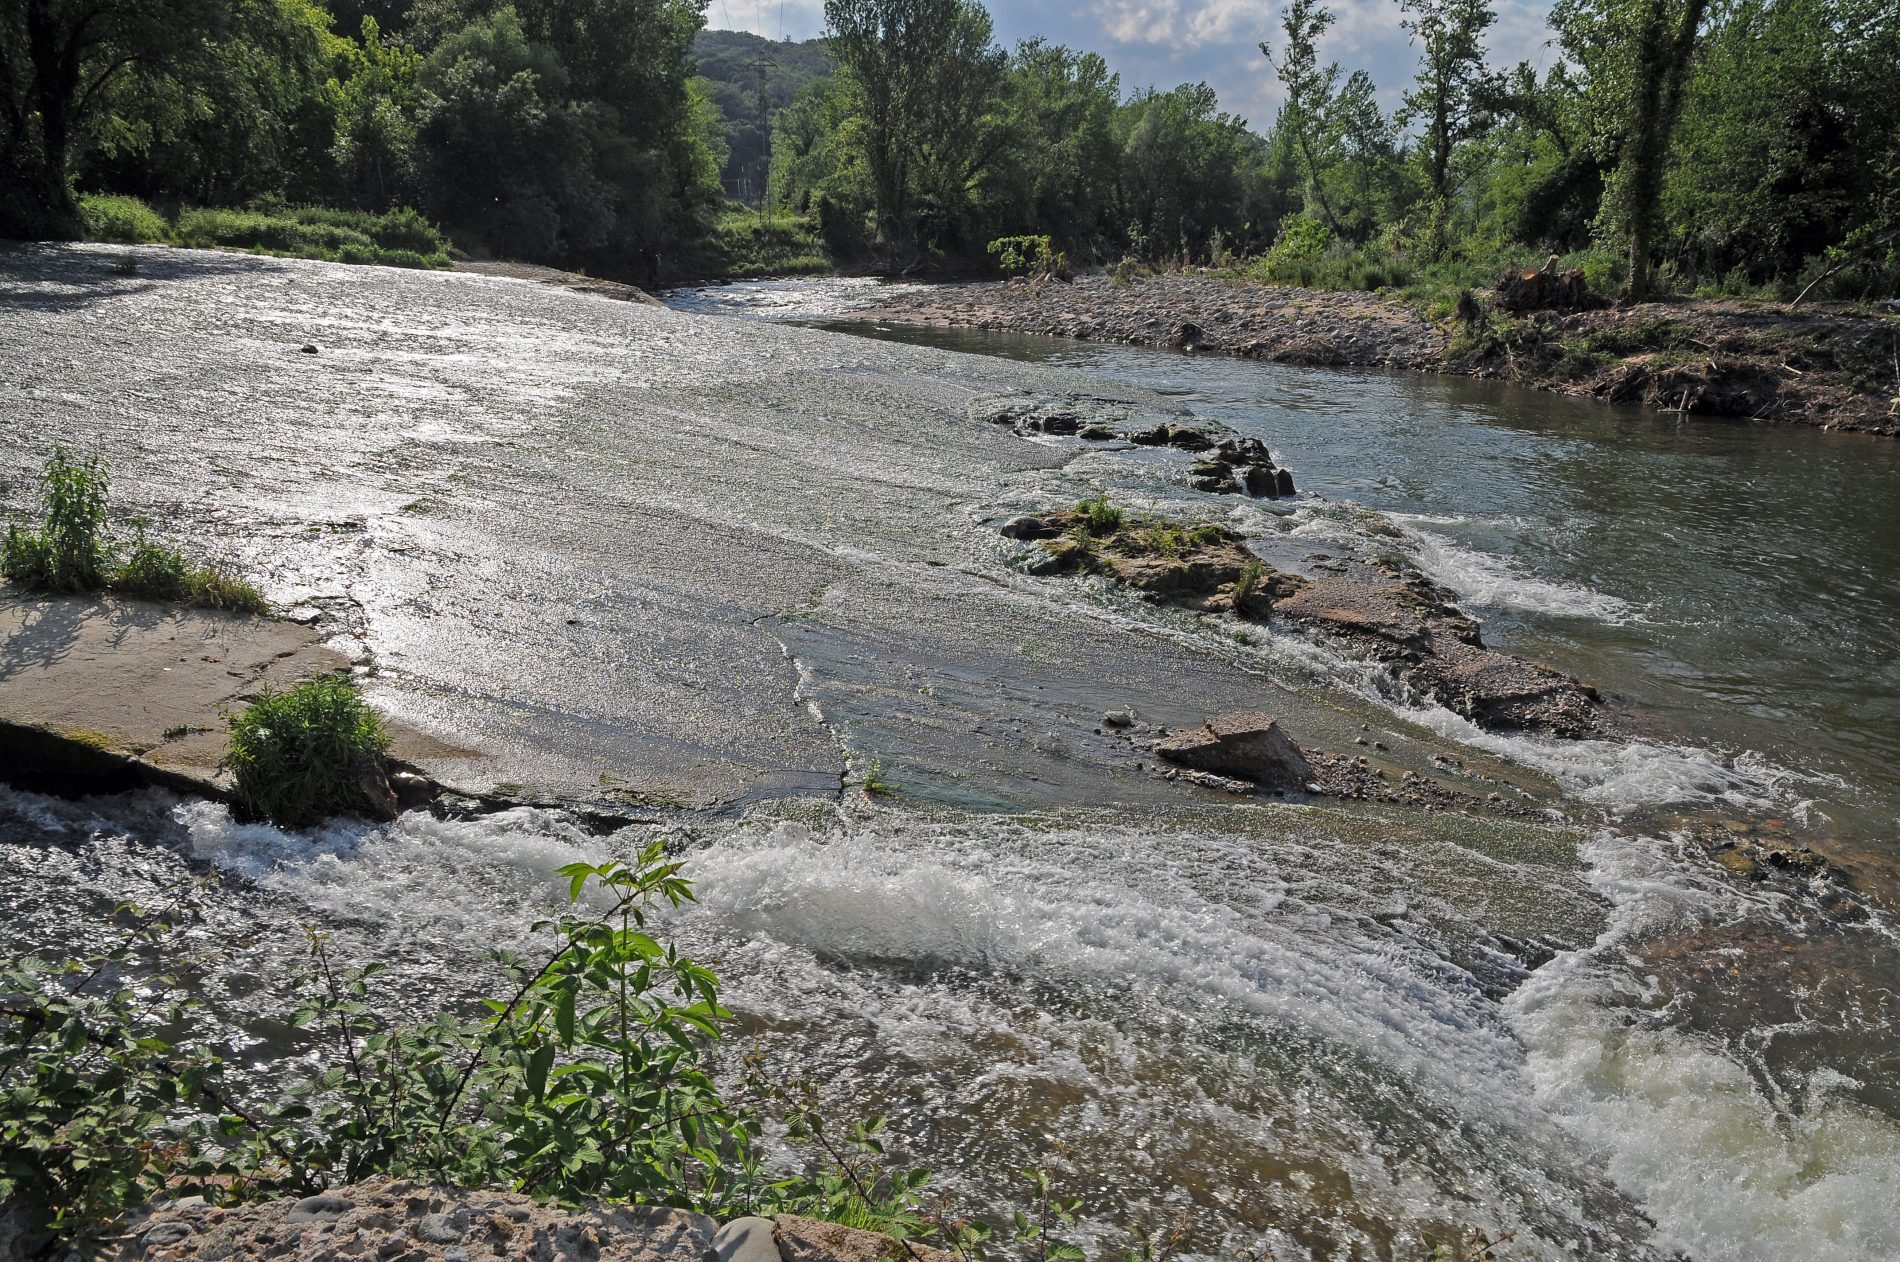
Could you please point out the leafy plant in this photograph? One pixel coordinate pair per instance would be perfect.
(590, 1081)
(301, 755)
(124, 219)
(69, 552)
(1028, 256)
(99, 1109)
(1097, 517)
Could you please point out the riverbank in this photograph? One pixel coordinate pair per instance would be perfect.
(1834, 369)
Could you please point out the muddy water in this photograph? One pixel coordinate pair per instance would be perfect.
(665, 559)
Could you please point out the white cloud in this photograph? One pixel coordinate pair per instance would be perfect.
(1162, 43)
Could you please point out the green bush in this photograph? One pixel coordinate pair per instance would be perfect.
(401, 238)
(152, 571)
(123, 219)
(72, 552)
(69, 552)
(303, 755)
(1028, 256)
(1098, 517)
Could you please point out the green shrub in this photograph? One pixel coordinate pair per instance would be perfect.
(101, 1111)
(401, 238)
(123, 219)
(69, 552)
(1098, 517)
(302, 755)
(152, 571)
(1028, 256)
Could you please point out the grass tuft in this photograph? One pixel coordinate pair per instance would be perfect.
(72, 552)
(303, 755)
(1097, 517)
(153, 571)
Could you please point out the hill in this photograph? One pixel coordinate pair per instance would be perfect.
(753, 78)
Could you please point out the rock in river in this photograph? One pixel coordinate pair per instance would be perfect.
(1248, 745)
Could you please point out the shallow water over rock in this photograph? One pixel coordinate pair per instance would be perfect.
(662, 560)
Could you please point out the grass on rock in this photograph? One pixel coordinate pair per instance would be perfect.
(302, 755)
(72, 551)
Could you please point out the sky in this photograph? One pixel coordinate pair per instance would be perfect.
(1162, 43)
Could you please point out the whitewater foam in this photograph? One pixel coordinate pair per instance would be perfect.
(1681, 1125)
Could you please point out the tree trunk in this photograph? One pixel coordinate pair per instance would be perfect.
(1663, 60)
(50, 207)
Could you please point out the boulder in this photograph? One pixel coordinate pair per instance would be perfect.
(1028, 527)
(1247, 745)
(1187, 438)
(1259, 481)
(1154, 436)
(745, 1240)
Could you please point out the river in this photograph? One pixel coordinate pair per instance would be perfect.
(1329, 1031)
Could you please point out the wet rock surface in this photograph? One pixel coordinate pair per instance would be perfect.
(1389, 615)
(1413, 628)
(1247, 745)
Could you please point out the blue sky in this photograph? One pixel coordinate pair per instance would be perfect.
(1165, 42)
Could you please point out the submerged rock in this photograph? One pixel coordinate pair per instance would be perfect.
(1028, 527)
(1248, 745)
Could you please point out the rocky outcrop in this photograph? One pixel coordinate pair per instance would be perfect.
(1399, 619)
(390, 1220)
(102, 695)
(1438, 652)
(1247, 745)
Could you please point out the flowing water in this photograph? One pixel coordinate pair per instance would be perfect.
(1332, 1032)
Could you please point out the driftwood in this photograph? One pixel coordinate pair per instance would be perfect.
(1546, 289)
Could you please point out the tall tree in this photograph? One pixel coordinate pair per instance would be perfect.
(1309, 91)
(1449, 94)
(901, 62)
(66, 70)
(1636, 56)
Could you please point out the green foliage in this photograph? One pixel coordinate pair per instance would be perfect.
(745, 246)
(153, 571)
(1028, 256)
(1097, 517)
(123, 219)
(69, 552)
(301, 755)
(400, 238)
(72, 551)
(100, 1109)
(591, 1080)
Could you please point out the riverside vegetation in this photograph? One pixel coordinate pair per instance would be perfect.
(72, 550)
(1748, 149)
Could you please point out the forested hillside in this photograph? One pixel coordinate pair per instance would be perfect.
(752, 79)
